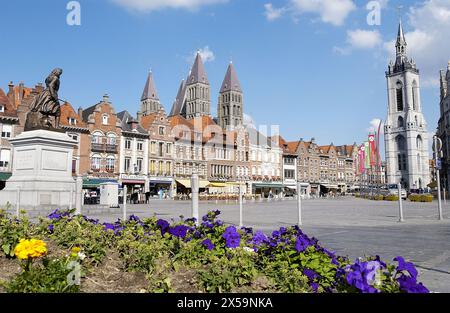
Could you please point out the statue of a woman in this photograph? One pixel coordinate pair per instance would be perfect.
(47, 102)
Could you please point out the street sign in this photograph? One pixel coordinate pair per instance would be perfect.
(438, 164)
(438, 143)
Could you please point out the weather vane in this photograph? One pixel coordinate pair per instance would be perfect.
(399, 11)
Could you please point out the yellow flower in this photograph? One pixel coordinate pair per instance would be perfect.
(32, 248)
(76, 249)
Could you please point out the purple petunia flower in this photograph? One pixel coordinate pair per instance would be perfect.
(232, 237)
(179, 231)
(51, 228)
(259, 238)
(406, 266)
(311, 274)
(301, 244)
(208, 244)
(163, 225)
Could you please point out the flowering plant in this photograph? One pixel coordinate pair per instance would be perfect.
(30, 249)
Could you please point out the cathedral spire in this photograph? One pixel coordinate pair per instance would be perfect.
(231, 81)
(150, 89)
(198, 73)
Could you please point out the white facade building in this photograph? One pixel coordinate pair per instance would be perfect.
(406, 137)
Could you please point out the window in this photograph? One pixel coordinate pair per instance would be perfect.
(419, 142)
(95, 163)
(152, 167)
(161, 149)
(168, 168)
(127, 165)
(160, 168)
(399, 96)
(128, 144)
(97, 137)
(161, 130)
(2, 109)
(402, 162)
(140, 145)
(74, 166)
(74, 137)
(168, 148)
(112, 139)
(400, 122)
(289, 174)
(139, 165)
(110, 162)
(153, 147)
(5, 156)
(72, 121)
(6, 131)
(105, 119)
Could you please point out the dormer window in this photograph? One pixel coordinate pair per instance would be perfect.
(161, 130)
(105, 119)
(72, 121)
(2, 109)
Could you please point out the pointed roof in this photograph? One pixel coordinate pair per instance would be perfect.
(150, 89)
(67, 112)
(231, 81)
(400, 35)
(8, 108)
(198, 73)
(177, 107)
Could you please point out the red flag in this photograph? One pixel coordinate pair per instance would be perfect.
(372, 150)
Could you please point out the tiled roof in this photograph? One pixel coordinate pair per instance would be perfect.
(26, 91)
(87, 112)
(67, 111)
(126, 120)
(8, 108)
(147, 121)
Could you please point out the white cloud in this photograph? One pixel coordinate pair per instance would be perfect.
(360, 39)
(364, 39)
(333, 12)
(374, 124)
(330, 11)
(153, 5)
(206, 53)
(427, 38)
(272, 13)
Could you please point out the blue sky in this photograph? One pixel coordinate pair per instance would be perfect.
(306, 68)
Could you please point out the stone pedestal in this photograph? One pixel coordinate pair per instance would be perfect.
(42, 171)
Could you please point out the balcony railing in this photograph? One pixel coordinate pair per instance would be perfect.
(102, 147)
(107, 169)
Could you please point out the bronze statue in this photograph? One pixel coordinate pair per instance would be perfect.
(45, 105)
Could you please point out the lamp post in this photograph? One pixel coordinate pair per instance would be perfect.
(437, 149)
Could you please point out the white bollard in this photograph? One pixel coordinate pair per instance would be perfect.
(78, 195)
(194, 191)
(71, 198)
(125, 191)
(241, 223)
(400, 204)
(299, 204)
(18, 202)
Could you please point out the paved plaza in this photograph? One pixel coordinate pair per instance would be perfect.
(353, 227)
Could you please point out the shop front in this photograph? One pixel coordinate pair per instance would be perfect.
(4, 176)
(91, 189)
(184, 186)
(267, 190)
(161, 188)
(137, 186)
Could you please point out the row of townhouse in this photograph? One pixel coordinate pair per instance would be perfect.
(155, 151)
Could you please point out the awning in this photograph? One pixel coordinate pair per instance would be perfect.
(219, 185)
(267, 185)
(5, 176)
(133, 181)
(330, 186)
(95, 182)
(161, 182)
(187, 183)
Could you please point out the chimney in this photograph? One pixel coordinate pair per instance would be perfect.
(10, 87)
(80, 112)
(106, 98)
(21, 91)
(134, 124)
(139, 116)
(313, 140)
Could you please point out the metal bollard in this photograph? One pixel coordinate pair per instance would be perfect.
(241, 223)
(400, 204)
(18, 202)
(125, 202)
(194, 191)
(299, 204)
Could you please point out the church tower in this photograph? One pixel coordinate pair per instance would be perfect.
(406, 136)
(149, 100)
(230, 105)
(198, 100)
